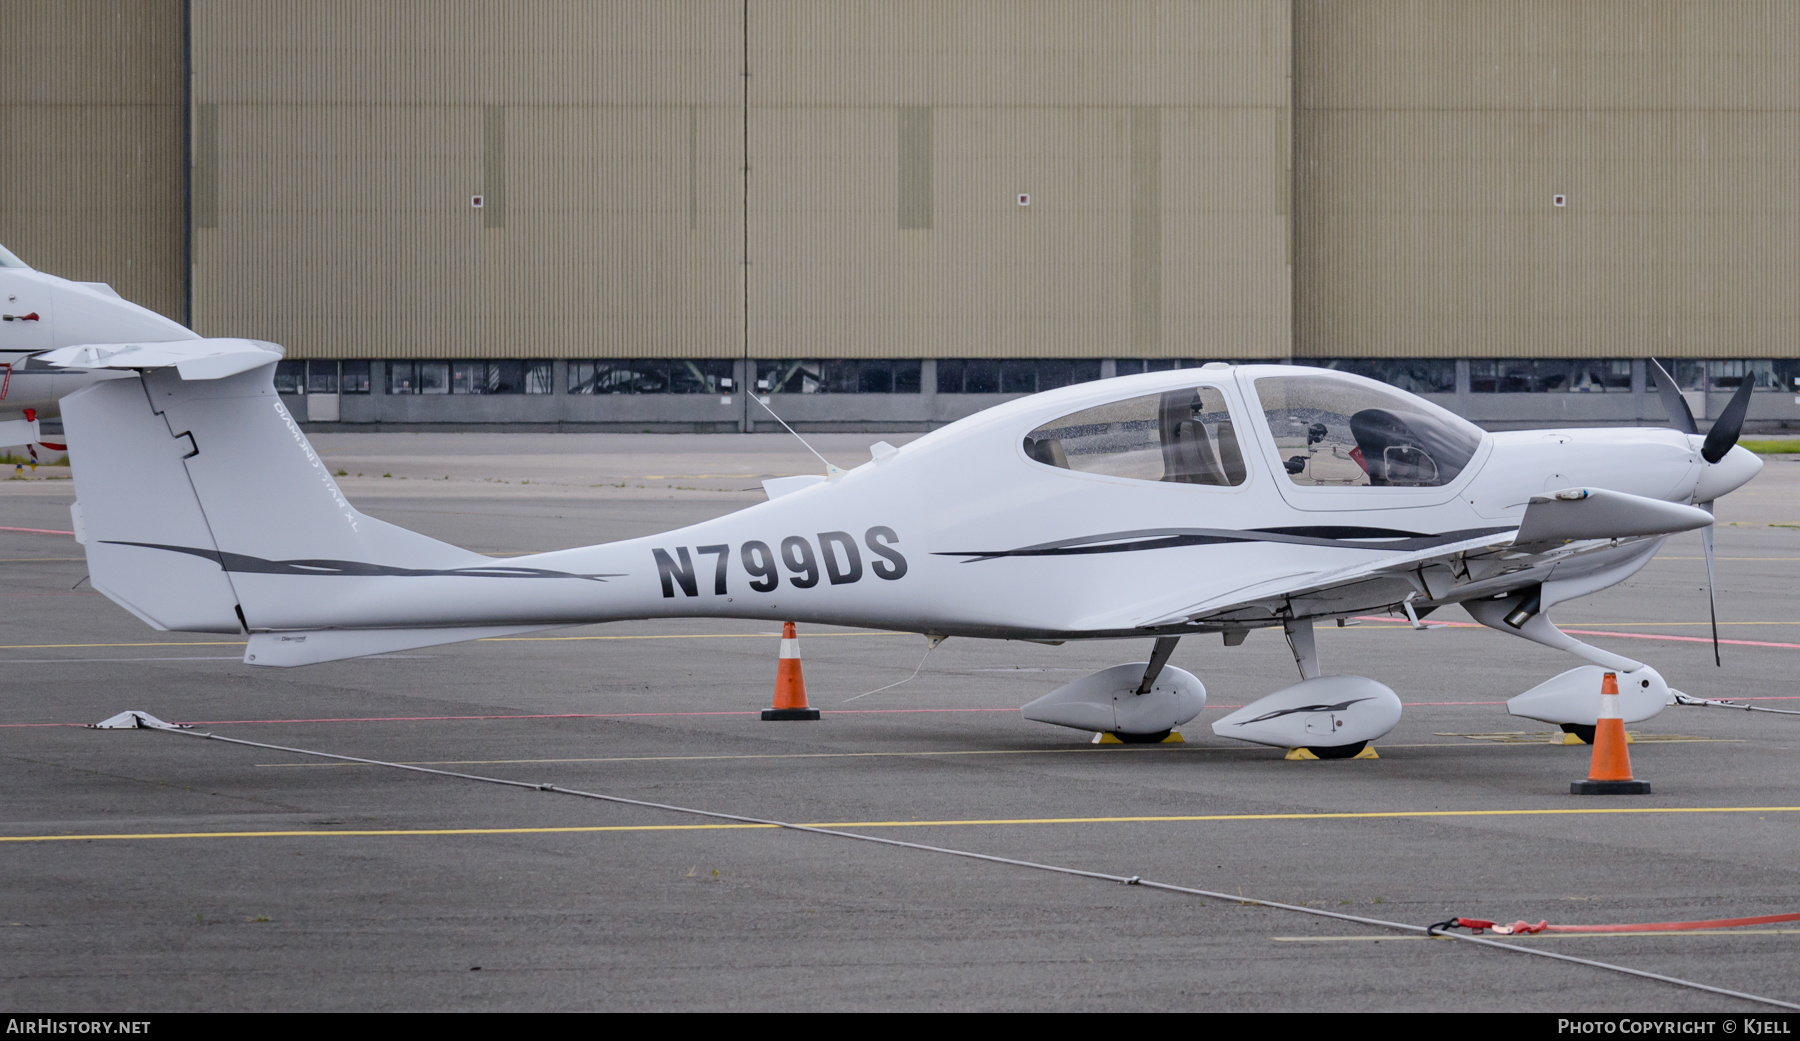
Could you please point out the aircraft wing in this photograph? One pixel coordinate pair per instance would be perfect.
(1269, 597)
(1556, 527)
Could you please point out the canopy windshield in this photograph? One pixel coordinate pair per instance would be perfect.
(1337, 431)
(1181, 436)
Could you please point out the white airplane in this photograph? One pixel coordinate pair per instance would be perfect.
(40, 312)
(1214, 500)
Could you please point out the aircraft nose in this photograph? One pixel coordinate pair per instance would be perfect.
(1728, 474)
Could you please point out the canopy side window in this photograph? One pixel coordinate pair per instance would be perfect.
(1182, 436)
(1342, 432)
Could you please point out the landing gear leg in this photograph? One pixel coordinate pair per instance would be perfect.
(1159, 656)
(1300, 640)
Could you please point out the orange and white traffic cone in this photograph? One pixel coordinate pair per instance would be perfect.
(1609, 772)
(790, 684)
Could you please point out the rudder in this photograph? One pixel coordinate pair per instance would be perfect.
(133, 495)
(203, 500)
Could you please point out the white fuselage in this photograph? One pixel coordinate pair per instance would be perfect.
(937, 536)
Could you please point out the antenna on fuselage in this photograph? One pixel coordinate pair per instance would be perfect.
(831, 469)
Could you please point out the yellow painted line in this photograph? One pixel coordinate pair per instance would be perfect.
(1549, 936)
(993, 822)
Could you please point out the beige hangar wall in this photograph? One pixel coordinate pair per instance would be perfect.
(890, 142)
(91, 142)
(335, 146)
(1432, 139)
(338, 146)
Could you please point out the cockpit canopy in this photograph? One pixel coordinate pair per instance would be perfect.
(1347, 432)
(1182, 436)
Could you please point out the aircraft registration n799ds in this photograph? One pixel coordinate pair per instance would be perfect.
(1214, 500)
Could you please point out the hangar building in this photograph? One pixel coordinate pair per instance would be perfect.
(630, 214)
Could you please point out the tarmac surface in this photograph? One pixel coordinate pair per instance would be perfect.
(233, 878)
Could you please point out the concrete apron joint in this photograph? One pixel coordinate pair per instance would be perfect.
(139, 720)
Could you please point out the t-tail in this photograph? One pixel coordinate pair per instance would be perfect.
(203, 508)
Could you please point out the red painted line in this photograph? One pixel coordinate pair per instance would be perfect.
(1527, 928)
(1664, 927)
(40, 531)
(1603, 632)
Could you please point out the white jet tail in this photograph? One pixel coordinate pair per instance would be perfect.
(200, 502)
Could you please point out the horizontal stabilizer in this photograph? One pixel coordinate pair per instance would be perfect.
(283, 650)
(209, 359)
(1596, 513)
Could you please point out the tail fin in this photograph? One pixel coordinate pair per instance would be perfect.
(194, 492)
(133, 495)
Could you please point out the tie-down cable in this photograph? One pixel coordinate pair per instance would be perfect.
(143, 720)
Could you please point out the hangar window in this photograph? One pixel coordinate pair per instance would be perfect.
(469, 377)
(1726, 376)
(1413, 375)
(1344, 431)
(354, 378)
(290, 377)
(1549, 375)
(1133, 366)
(846, 376)
(1182, 436)
(1013, 375)
(652, 376)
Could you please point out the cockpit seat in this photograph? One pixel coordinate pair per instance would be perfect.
(1392, 452)
(1047, 450)
(1188, 456)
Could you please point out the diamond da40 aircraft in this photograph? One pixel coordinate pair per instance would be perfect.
(1214, 500)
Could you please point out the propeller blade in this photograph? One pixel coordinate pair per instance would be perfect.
(1680, 416)
(1712, 609)
(1730, 423)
